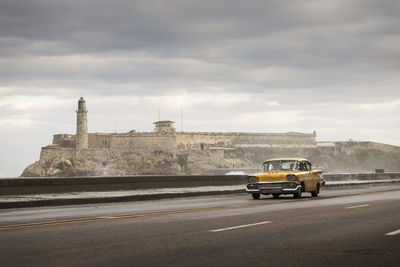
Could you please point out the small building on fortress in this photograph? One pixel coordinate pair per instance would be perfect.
(167, 152)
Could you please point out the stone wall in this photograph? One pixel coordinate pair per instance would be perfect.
(99, 140)
(51, 152)
(197, 141)
(144, 142)
(189, 140)
(202, 141)
(64, 140)
(274, 139)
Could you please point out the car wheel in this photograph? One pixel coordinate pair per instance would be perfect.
(256, 195)
(316, 192)
(276, 195)
(299, 193)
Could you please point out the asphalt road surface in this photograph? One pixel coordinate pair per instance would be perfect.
(349, 227)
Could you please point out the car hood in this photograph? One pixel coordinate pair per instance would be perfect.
(274, 176)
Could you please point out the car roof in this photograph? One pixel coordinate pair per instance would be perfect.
(298, 159)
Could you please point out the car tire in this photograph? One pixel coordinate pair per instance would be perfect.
(255, 195)
(276, 195)
(316, 192)
(299, 193)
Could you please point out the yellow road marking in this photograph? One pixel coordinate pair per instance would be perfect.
(125, 216)
(168, 212)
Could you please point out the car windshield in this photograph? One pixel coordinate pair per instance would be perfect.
(279, 165)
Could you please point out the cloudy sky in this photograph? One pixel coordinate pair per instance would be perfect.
(252, 66)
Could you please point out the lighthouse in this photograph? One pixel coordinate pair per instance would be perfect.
(81, 125)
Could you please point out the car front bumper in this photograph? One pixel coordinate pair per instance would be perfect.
(273, 188)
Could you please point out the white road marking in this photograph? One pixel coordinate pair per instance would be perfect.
(359, 206)
(239, 226)
(394, 232)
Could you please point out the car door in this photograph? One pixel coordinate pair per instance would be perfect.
(313, 177)
(304, 176)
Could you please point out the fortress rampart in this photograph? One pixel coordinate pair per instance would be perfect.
(189, 140)
(165, 151)
(241, 139)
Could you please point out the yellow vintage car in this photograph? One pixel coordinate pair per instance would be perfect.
(285, 176)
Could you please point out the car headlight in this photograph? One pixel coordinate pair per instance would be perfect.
(252, 179)
(291, 177)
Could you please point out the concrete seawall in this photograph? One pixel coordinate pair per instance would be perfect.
(361, 176)
(21, 186)
(11, 186)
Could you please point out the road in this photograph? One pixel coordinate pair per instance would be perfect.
(349, 227)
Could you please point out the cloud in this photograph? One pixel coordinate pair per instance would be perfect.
(330, 66)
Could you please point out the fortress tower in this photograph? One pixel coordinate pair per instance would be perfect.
(81, 125)
(163, 127)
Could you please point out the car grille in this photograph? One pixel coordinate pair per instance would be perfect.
(271, 185)
(280, 185)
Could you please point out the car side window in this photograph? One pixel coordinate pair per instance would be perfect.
(308, 166)
(297, 165)
(302, 166)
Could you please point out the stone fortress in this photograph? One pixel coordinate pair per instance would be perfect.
(168, 152)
